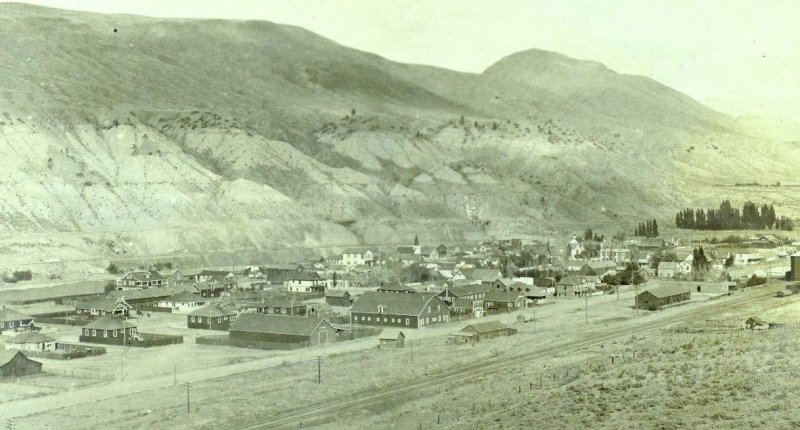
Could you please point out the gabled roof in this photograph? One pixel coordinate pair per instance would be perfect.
(109, 323)
(107, 304)
(303, 276)
(667, 291)
(391, 334)
(535, 292)
(396, 287)
(483, 275)
(467, 303)
(184, 297)
(150, 293)
(394, 304)
(144, 275)
(8, 314)
(278, 324)
(212, 311)
(404, 250)
(571, 280)
(30, 337)
(282, 302)
(668, 265)
(336, 293)
(466, 290)
(207, 286)
(484, 327)
(6, 356)
(502, 296)
(756, 320)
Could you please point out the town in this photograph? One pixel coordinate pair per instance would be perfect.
(56, 337)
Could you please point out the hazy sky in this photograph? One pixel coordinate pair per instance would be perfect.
(738, 56)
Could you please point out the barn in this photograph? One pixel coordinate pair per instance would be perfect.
(338, 298)
(664, 295)
(280, 331)
(14, 364)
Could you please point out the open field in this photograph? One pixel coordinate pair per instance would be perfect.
(232, 387)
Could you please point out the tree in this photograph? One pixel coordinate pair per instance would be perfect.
(112, 269)
(416, 240)
(335, 279)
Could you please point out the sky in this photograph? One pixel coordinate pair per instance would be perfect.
(738, 56)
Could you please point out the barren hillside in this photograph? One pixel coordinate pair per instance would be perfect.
(125, 134)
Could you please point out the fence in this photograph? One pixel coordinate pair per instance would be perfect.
(73, 320)
(66, 351)
(147, 340)
(224, 340)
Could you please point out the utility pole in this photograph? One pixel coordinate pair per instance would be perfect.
(319, 369)
(587, 307)
(188, 409)
(411, 344)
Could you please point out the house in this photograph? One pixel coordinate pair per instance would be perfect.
(281, 305)
(472, 292)
(742, 259)
(211, 288)
(102, 306)
(211, 275)
(765, 241)
(11, 320)
(668, 269)
(574, 248)
(31, 341)
(338, 298)
(536, 295)
(183, 302)
(597, 268)
(319, 310)
(399, 310)
(302, 282)
(481, 331)
(355, 257)
(466, 307)
(503, 300)
(280, 332)
(756, 323)
(211, 317)
(141, 279)
(14, 364)
(486, 276)
(572, 286)
(391, 339)
(278, 275)
(396, 287)
(617, 255)
(109, 330)
(664, 295)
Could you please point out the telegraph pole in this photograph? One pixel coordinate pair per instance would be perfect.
(188, 386)
(587, 307)
(319, 369)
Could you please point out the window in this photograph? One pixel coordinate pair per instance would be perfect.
(86, 331)
(408, 321)
(429, 309)
(369, 318)
(2, 324)
(114, 333)
(219, 319)
(385, 319)
(11, 324)
(105, 333)
(94, 332)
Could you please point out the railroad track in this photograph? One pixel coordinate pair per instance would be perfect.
(492, 365)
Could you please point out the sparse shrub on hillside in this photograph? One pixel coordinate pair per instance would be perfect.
(23, 275)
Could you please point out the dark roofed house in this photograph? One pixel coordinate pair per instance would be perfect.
(211, 288)
(467, 306)
(482, 330)
(141, 279)
(109, 330)
(475, 292)
(396, 287)
(211, 317)
(102, 306)
(399, 310)
(391, 339)
(503, 300)
(14, 364)
(143, 300)
(11, 320)
(211, 275)
(280, 332)
(338, 298)
(664, 295)
(281, 305)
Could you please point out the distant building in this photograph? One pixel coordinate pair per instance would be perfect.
(212, 288)
(109, 330)
(31, 341)
(396, 287)
(302, 282)
(481, 331)
(657, 297)
(338, 298)
(280, 332)
(14, 364)
(141, 279)
(211, 317)
(281, 305)
(391, 339)
(503, 300)
(103, 306)
(356, 257)
(572, 286)
(11, 320)
(399, 310)
(184, 302)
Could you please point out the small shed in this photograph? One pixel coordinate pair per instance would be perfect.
(756, 323)
(391, 339)
(14, 364)
(338, 298)
(657, 297)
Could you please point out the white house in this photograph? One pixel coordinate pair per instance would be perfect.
(182, 303)
(745, 259)
(302, 282)
(354, 257)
